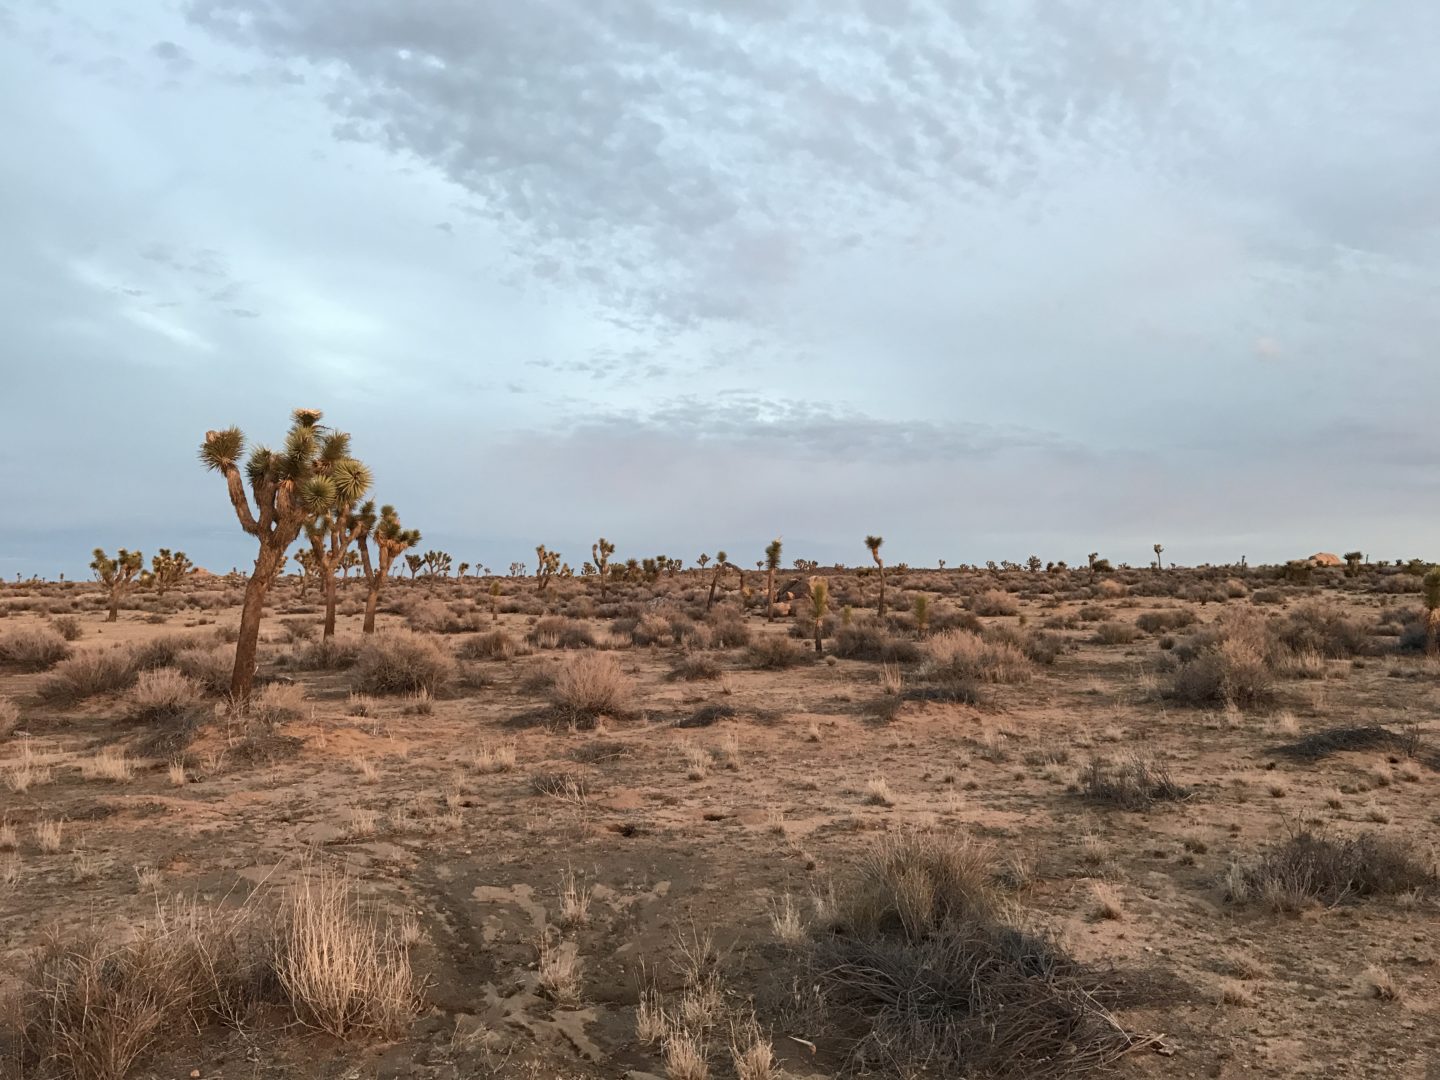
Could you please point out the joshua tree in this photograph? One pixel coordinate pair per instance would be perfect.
(546, 563)
(390, 540)
(873, 543)
(1159, 563)
(922, 613)
(117, 575)
(819, 605)
(1033, 564)
(350, 561)
(1432, 610)
(333, 531)
(772, 563)
(436, 563)
(495, 600)
(1353, 560)
(601, 551)
(702, 560)
(414, 562)
(464, 569)
(311, 475)
(167, 569)
(721, 561)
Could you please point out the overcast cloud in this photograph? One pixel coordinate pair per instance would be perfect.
(987, 278)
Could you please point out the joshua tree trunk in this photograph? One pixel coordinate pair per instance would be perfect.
(114, 615)
(770, 595)
(880, 609)
(248, 642)
(372, 601)
(818, 647)
(332, 588)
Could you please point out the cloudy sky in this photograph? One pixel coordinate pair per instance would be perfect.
(987, 278)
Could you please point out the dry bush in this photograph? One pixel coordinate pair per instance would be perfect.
(35, 648)
(1134, 783)
(210, 666)
(165, 651)
(328, 654)
(776, 654)
(920, 973)
(109, 764)
(492, 645)
(278, 702)
(1114, 632)
(1309, 867)
(433, 617)
(651, 629)
(869, 639)
(591, 685)
(558, 632)
(402, 662)
(161, 695)
(88, 673)
(960, 656)
(993, 602)
(1228, 665)
(697, 667)
(1166, 621)
(9, 717)
(1322, 744)
(729, 630)
(1324, 629)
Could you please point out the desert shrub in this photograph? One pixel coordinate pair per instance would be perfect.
(402, 662)
(776, 654)
(161, 695)
(1114, 632)
(88, 673)
(1042, 647)
(328, 654)
(211, 666)
(651, 629)
(163, 652)
(1165, 621)
(1225, 664)
(729, 630)
(68, 627)
(696, 667)
(558, 632)
(868, 639)
(492, 645)
(1111, 589)
(9, 717)
(993, 602)
(1310, 867)
(35, 648)
(920, 973)
(278, 702)
(591, 685)
(959, 656)
(1091, 613)
(1323, 629)
(1133, 783)
(1267, 596)
(1321, 744)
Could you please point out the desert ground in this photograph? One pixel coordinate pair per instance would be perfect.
(1153, 823)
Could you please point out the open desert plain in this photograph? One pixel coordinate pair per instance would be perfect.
(1165, 822)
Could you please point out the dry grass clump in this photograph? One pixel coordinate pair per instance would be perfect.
(68, 627)
(729, 630)
(490, 758)
(697, 667)
(1166, 621)
(558, 632)
(961, 656)
(1322, 744)
(277, 702)
(1324, 629)
(1135, 782)
(9, 717)
(992, 603)
(402, 662)
(328, 654)
(88, 673)
(1230, 666)
(491, 645)
(591, 685)
(34, 648)
(161, 695)
(109, 764)
(210, 666)
(1309, 868)
(920, 972)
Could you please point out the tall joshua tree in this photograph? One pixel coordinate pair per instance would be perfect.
(873, 543)
(772, 563)
(721, 561)
(819, 605)
(117, 575)
(547, 562)
(290, 487)
(1159, 563)
(601, 551)
(333, 531)
(390, 540)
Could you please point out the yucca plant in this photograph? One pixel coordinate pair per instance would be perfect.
(119, 575)
(772, 563)
(922, 613)
(873, 543)
(334, 530)
(289, 486)
(819, 607)
(721, 561)
(168, 569)
(390, 538)
(601, 551)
